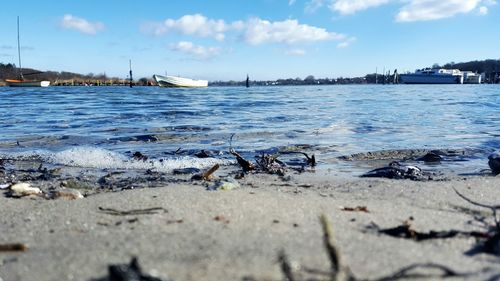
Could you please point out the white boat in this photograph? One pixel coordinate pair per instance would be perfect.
(21, 82)
(472, 78)
(175, 81)
(433, 76)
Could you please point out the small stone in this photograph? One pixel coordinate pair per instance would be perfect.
(70, 194)
(227, 184)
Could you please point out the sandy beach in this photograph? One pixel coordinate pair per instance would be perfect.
(190, 233)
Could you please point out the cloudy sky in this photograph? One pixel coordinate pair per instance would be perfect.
(268, 39)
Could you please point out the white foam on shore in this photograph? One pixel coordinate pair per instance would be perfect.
(92, 157)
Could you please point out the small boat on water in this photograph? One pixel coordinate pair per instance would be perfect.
(433, 76)
(179, 82)
(21, 82)
(26, 83)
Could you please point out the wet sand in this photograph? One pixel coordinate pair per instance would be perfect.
(196, 234)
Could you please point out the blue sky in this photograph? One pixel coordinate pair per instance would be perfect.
(268, 39)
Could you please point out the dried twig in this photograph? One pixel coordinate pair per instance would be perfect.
(405, 273)
(493, 208)
(285, 266)
(148, 211)
(245, 164)
(14, 247)
(355, 209)
(208, 174)
(338, 271)
(311, 160)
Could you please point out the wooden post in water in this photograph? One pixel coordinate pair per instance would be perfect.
(130, 67)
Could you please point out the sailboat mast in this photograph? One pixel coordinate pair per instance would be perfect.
(19, 50)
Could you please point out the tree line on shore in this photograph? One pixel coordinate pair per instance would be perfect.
(490, 68)
(9, 71)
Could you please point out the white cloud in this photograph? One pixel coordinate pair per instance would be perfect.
(346, 43)
(416, 10)
(313, 5)
(195, 25)
(483, 10)
(82, 25)
(291, 2)
(254, 31)
(258, 31)
(198, 52)
(295, 52)
(347, 7)
(425, 10)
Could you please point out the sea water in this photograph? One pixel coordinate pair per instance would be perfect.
(99, 127)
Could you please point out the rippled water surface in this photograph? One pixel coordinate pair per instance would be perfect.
(329, 121)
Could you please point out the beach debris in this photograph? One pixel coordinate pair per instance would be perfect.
(396, 170)
(492, 243)
(355, 209)
(286, 268)
(148, 211)
(270, 164)
(175, 221)
(206, 175)
(245, 164)
(340, 272)
(65, 193)
(13, 247)
(494, 162)
(127, 272)
(22, 189)
(221, 218)
(406, 231)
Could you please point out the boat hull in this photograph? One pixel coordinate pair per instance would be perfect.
(430, 79)
(20, 83)
(179, 82)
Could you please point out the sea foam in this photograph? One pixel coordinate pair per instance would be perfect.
(99, 158)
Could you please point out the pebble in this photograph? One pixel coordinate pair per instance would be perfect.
(228, 184)
(66, 193)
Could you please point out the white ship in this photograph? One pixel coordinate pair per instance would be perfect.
(433, 76)
(175, 81)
